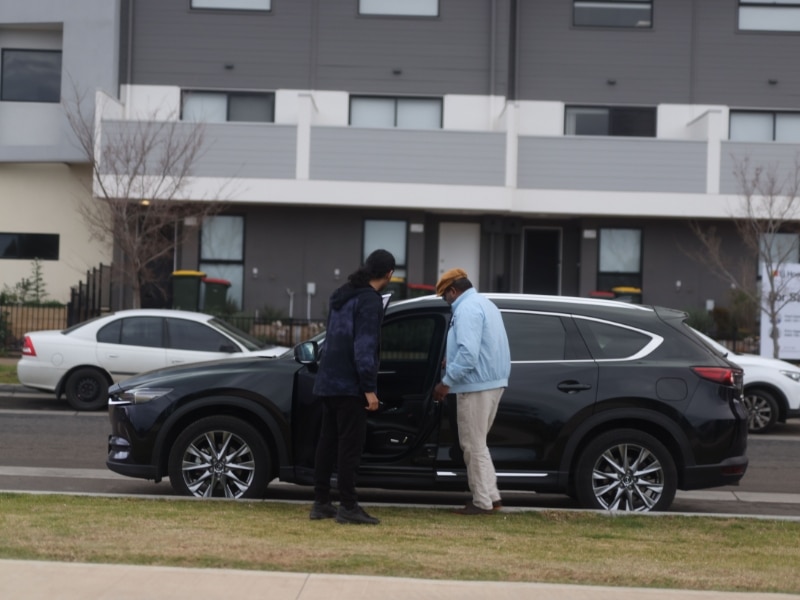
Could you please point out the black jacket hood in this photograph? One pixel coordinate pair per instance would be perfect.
(347, 292)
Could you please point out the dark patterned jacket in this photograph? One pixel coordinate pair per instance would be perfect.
(349, 362)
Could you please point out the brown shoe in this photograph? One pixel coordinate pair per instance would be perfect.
(471, 509)
(497, 505)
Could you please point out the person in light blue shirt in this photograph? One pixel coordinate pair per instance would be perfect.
(477, 366)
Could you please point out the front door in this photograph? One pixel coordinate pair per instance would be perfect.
(460, 247)
(541, 261)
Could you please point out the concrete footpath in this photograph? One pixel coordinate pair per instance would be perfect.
(32, 580)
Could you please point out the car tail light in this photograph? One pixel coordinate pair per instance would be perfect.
(27, 347)
(721, 375)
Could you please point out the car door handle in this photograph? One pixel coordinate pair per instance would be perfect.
(571, 387)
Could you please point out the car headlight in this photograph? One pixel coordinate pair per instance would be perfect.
(793, 375)
(138, 396)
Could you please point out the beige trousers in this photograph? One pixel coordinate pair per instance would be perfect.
(476, 412)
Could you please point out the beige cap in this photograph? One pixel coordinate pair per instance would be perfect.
(448, 278)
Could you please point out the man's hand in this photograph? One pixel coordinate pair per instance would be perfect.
(440, 392)
(372, 401)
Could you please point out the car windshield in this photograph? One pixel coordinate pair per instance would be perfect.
(245, 339)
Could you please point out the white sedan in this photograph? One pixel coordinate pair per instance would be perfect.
(82, 361)
(771, 387)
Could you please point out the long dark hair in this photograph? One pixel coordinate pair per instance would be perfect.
(378, 264)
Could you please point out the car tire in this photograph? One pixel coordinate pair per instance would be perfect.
(626, 470)
(222, 457)
(762, 410)
(87, 389)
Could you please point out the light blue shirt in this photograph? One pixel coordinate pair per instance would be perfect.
(477, 356)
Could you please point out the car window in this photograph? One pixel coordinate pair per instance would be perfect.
(190, 335)
(408, 340)
(534, 336)
(110, 333)
(82, 324)
(607, 341)
(142, 331)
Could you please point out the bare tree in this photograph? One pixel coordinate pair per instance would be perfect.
(140, 174)
(770, 206)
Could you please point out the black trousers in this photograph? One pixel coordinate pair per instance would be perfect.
(344, 428)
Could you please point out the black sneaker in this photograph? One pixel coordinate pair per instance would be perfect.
(356, 516)
(322, 511)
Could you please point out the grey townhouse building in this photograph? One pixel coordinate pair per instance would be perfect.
(545, 146)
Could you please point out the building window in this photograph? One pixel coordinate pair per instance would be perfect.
(612, 13)
(30, 76)
(389, 235)
(614, 121)
(752, 126)
(779, 248)
(403, 8)
(222, 252)
(262, 5)
(619, 259)
(769, 15)
(403, 113)
(219, 107)
(29, 246)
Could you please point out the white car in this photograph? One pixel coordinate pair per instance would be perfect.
(771, 387)
(82, 361)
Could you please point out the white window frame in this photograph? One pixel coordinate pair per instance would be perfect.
(222, 252)
(782, 126)
(247, 5)
(387, 234)
(613, 8)
(220, 96)
(399, 8)
(398, 102)
(30, 76)
(769, 15)
(619, 250)
(613, 119)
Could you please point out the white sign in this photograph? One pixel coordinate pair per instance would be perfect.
(787, 284)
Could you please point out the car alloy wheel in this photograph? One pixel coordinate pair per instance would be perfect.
(762, 410)
(219, 457)
(626, 470)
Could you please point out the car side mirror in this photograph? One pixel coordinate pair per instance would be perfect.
(307, 354)
(229, 348)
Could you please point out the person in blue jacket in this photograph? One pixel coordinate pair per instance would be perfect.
(346, 384)
(477, 366)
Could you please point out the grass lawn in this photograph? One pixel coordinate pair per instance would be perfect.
(8, 374)
(700, 553)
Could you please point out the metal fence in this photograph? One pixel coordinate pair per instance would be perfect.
(18, 319)
(90, 298)
(283, 332)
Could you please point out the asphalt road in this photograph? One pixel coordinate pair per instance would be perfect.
(45, 446)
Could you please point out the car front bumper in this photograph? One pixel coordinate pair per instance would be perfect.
(119, 457)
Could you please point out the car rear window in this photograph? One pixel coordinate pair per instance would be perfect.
(190, 335)
(607, 341)
(143, 331)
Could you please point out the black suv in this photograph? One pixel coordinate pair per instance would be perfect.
(617, 405)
